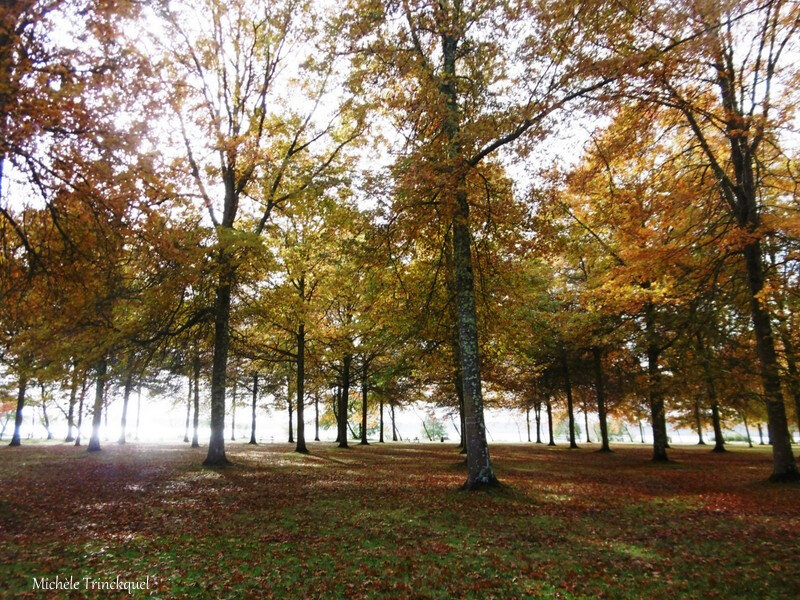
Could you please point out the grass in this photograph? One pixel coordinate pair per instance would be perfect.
(388, 520)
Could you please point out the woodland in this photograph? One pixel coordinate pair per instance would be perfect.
(553, 208)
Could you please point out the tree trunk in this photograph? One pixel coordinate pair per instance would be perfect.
(301, 380)
(222, 311)
(316, 417)
(760, 435)
(380, 406)
(290, 407)
(343, 401)
(253, 413)
(586, 423)
(196, 420)
(570, 407)
(102, 369)
(44, 416)
(549, 406)
(599, 386)
(711, 390)
(698, 423)
(126, 395)
(641, 431)
(188, 410)
(528, 421)
(138, 409)
(537, 413)
(394, 427)
(747, 430)
(233, 404)
(80, 411)
(364, 390)
(73, 398)
(336, 402)
(657, 415)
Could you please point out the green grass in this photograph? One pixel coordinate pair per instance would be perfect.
(388, 521)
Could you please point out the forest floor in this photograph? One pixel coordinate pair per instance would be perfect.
(389, 521)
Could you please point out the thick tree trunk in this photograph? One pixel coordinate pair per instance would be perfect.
(188, 409)
(73, 399)
(196, 386)
(549, 406)
(570, 406)
(126, 395)
(380, 433)
(102, 369)
(599, 386)
(301, 382)
(364, 390)
(760, 435)
(698, 423)
(343, 401)
(222, 311)
(537, 412)
(253, 411)
(657, 413)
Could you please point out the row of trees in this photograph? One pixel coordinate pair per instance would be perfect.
(367, 202)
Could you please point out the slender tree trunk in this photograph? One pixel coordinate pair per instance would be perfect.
(73, 398)
(222, 310)
(394, 426)
(747, 430)
(380, 406)
(549, 406)
(233, 404)
(364, 390)
(641, 431)
(316, 417)
(102, 369)
(537, 413)
(528, 421)
(291, 408)
(44, 416)
(188, 410)
(711, 391)
(301, 377)
(336, 401)
(599, 386)
(343, 400)
(698, 423)
(196, 386)
(80, 410)
(570, 406)
(5, 424)
(138, 410)
(760, 435)
(126, 394)
(586, 422)
(657, 414)
(253, 413)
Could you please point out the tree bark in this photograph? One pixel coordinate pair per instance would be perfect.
(290, 407)
(586, 423)
(537, 412)
(711, 391)
(188, 410)
(222, 311)
(549, 406)
(316, 417)
(747, 430)
(657, 414)
(102, 369)
(760, 435)
(253, 412)
(44, 416)
(126, 394)
(196, 420)
(80, 410)
(364, 391)
(394, 427)
(301, 381)
(698, 423)
(343, 401)
(528, 421)
(73, 398)
(570, 407)
(380, 406)
(599, 386)
(233, 404)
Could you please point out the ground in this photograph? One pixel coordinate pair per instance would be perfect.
(388, 520)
